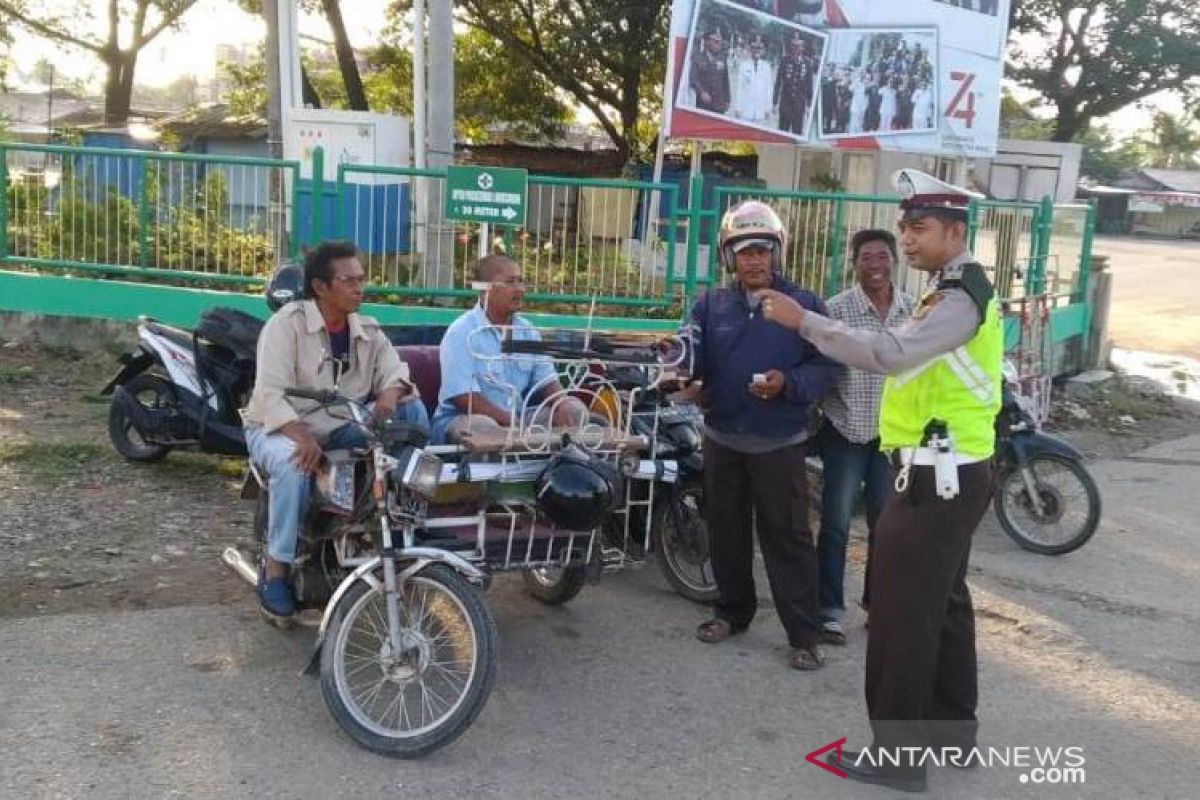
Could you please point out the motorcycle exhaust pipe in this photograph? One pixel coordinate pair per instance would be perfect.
(242, 566)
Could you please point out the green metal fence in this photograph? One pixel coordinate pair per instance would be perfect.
(632, 247)
(146, 214)
(583, 240)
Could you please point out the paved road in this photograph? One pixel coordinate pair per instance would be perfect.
(612, 697)
(1156, 294)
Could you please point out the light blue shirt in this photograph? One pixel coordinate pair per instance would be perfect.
(469, 365)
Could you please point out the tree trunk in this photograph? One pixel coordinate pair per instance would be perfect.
(308, 92)
(356, 96)
(1069, 124)
(118, 86)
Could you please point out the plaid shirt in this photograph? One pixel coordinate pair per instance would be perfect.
(852, 405)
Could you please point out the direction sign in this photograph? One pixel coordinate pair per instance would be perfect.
(486, 194)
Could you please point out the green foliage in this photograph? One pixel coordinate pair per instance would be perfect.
(609, 57)
(88, 222)
(492, 89)
(1104, 158)
(1173, 143)
(1090, 58)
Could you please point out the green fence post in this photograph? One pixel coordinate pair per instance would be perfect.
(317, 198)
(3, 202)
(1035, 280)
(294, 233)
(972, 224)
(695, 218)
(1085, 254)
(339, 203)
(836, 264)
(143, 213)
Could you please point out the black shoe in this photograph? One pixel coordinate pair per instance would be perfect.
(910, 779)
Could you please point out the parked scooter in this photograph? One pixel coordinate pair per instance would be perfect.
(182, 388)
(1045, 499)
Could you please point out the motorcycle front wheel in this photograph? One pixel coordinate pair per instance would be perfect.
(1067, 511)
(681, 544)
(410, 703)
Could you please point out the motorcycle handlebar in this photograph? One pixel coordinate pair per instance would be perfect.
(322, 396)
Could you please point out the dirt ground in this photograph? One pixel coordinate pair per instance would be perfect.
(82, 529)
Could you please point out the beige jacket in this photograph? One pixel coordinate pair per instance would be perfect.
(294, 352)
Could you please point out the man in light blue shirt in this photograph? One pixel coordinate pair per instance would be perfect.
(483, 392)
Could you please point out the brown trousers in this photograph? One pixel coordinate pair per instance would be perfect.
(768, 492)
(921, 671)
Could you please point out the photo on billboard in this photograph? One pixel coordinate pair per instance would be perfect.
(989, 7)
(879, 82)
(752, 69)
(810, 13)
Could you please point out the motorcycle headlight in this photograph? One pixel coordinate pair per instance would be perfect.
(420, 472)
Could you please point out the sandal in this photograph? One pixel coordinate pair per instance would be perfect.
(716, 630)
(806, 658)
(832, 633)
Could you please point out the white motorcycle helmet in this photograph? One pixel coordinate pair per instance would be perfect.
(752, 221)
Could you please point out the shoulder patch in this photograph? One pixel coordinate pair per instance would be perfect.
(926, 305)
(974, 281)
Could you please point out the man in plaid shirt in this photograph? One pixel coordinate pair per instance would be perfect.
(849, 439)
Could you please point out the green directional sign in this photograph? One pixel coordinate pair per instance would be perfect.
(487, 194)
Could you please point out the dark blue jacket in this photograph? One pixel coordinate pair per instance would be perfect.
(731, 342)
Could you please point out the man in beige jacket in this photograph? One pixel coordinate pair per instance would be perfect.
(320, 342)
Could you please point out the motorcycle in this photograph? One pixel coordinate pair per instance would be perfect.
(405, 652)
(679, 535)
(183, 388)
(1045, 499)
(401, 539)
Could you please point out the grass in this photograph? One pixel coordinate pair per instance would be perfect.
(191, 465)
(16, 376)
(52, 460)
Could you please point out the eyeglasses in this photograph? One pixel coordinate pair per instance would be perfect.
(511, 283)
(351, 280)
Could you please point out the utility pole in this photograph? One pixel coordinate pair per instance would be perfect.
(420, 109)
(440, 132)
(278, 209)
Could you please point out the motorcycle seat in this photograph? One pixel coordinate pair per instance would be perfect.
(424, 370)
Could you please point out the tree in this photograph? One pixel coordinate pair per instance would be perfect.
(141, 22)
(1105, 159)
(352, 83)
(1173, 143)
(1090, 58)
(608, 55)
(491, 89)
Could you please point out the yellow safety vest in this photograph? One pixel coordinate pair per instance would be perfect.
(960, 388)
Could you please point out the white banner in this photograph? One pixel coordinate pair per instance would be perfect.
(908, 75)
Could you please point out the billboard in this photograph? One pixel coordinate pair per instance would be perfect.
(918, 76)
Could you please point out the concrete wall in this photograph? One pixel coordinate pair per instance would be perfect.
(789, 168)
(1030, 170)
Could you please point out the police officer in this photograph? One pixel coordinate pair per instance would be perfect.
(937, 416)
(710, 73)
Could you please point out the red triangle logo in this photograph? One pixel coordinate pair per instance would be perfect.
(815, 759)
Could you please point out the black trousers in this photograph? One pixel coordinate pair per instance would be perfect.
(767, 491)
(921, 684)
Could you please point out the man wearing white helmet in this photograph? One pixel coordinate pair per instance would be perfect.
(757, 390)
(937, 420)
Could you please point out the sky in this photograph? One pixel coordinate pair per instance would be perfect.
(192, 50)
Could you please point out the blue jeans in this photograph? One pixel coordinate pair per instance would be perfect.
(272, 453)
(849, 469)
